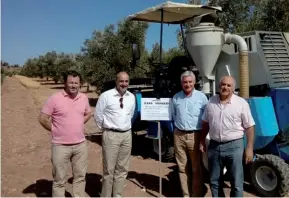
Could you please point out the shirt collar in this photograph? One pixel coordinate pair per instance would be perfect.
(117, 94)
(230, 101)
(66, 95)
(184, 94)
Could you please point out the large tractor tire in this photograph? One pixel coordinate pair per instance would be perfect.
(270, 176)
(167, 147)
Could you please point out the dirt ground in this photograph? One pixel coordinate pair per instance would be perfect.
(26, 165)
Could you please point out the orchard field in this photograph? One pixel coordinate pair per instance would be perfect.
(26, 165)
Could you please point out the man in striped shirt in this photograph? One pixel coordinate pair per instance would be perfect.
(226, 117)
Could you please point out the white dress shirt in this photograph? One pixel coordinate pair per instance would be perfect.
(108, 113)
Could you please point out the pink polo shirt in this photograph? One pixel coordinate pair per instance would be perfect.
(67, 117)
(228, 121)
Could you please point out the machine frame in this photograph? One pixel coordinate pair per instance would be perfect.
(270, 160)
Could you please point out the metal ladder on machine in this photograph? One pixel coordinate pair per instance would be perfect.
(276, 53)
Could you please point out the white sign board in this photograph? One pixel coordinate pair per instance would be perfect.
(153, 109)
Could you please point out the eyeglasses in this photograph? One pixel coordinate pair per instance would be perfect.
(121, 104)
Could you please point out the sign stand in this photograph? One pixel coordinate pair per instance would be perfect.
(156, 110)
(160, 157)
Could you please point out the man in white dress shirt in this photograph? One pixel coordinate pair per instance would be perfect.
(113, 114)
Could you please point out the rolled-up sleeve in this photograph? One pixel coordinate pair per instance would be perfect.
(99, 111)
(246, 115)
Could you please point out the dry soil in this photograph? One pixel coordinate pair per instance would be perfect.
(26, 165)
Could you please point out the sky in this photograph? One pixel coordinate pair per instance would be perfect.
(30, 28)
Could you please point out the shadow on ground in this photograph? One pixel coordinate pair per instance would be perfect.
(92, 101)
(41, 80)
(43, 187)
(57, 87)
(170, 186)
(93, 184)
(49, 83)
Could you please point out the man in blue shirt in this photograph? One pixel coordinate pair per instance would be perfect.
(188, 107)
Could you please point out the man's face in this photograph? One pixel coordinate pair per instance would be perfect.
(227, 86)
(188, 84)
(122, 82)
(72, 85)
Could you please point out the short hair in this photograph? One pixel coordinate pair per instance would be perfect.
(188, 73)
(71, 73)
(119, 73)
(234, 81)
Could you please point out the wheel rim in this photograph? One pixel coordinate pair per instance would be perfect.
(266, 178)
(163, 145)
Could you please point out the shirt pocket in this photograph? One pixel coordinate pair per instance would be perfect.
(231, 120)
(196, 109)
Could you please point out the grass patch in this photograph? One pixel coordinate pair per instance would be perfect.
(27, 82)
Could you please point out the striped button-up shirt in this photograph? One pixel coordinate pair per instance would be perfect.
(228, 121)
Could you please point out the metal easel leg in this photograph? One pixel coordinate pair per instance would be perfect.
(160, 157)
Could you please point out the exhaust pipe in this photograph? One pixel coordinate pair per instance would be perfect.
(243, 62)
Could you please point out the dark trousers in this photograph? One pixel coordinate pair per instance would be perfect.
(229, 155)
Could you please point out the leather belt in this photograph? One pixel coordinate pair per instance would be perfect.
(225, 142)
(118, 131)
(188, 131)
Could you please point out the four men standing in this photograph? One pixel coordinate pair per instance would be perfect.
(225, 117)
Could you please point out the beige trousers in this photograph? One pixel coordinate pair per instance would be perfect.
(62, 155)
(116, 150)
(188, 157)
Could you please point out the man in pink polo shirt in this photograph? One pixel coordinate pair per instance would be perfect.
(69, 110)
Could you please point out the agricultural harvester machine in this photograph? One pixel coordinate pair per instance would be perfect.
(258, 60)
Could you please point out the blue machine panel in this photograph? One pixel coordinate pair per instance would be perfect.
(138, 96)
(153, 128)
(280, 97)
(266, 127)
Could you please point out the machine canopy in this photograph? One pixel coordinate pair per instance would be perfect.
(173, 13)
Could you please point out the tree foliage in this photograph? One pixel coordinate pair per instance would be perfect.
(249, 15)
(109, 50)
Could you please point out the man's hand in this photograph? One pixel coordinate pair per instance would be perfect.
(249, 155)
(203, 147)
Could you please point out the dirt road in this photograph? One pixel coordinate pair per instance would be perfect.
(26, 166)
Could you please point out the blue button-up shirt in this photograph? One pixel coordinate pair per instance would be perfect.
(187, 111)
